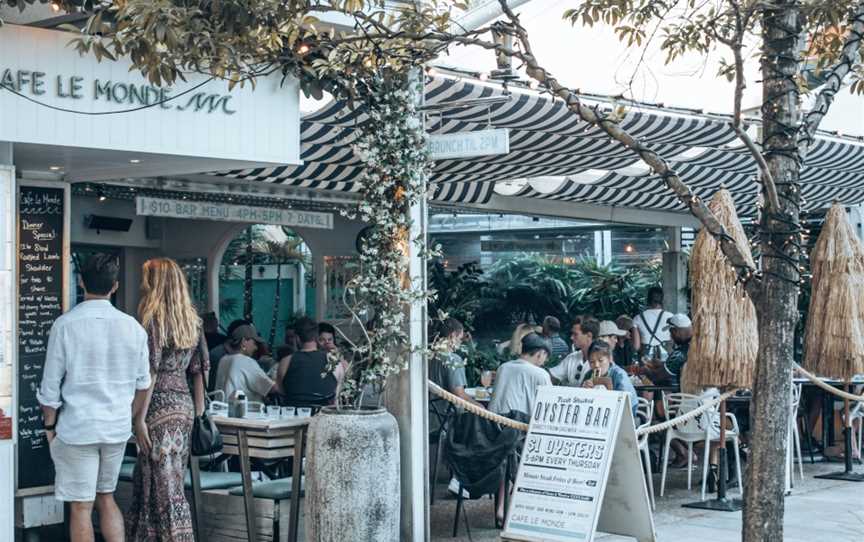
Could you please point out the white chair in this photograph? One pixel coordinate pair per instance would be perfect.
(644, 416)
(857, 413)
(704, 427)
(794, 439)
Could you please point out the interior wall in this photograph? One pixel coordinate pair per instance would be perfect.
(178, 238)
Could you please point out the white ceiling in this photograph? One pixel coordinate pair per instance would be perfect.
(81, 164)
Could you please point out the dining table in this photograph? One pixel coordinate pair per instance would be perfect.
(266, 438)
(483, 397)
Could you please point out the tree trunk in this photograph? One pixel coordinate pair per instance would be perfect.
(777, 306)
(247, 282)
(276, 301)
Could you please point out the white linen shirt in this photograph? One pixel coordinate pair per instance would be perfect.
(651, 316)
(572, 370)
(97, 358)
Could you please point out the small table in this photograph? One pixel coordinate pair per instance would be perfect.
(266, 439)
(472, 393)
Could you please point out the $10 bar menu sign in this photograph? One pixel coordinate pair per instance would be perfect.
(564, 489)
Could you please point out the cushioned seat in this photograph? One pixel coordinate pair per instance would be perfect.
(126, 470)
(209, 480)
(275, 490)
(215, 480)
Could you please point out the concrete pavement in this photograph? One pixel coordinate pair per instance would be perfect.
(816, 510)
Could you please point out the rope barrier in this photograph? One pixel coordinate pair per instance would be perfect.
(684, 417)
(827, 387)
(475, 409)
(491, 416)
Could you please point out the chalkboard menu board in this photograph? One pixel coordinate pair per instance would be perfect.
(41, 290)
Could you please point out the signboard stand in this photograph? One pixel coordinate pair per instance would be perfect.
(580, 471)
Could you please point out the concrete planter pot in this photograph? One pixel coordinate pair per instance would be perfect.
(352, 480)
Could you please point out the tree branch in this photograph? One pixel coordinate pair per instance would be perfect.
(736, 45)
(834, 80)
(734, 253)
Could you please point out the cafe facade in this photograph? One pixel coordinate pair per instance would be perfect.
(95, 159)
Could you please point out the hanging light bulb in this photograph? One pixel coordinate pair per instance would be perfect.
(55, 7)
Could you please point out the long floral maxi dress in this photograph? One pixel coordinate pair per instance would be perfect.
(159, 511)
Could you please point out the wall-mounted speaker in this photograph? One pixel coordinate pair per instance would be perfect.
(107, 223)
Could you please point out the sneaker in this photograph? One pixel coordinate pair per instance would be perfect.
(453, 486)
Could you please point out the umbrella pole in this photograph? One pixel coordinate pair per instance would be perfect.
(721, 503)
(848, 474)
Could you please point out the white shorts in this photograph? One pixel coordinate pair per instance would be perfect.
(84, 471)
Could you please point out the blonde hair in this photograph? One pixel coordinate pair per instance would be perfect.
(166, 308)
(519, 334)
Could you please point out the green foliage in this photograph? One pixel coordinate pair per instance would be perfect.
(455, 293)
(242, 40)
(688, 26)
(528, 288)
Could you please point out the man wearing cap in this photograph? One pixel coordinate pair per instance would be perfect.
(680, 330)
(609, 333)
(239, 372)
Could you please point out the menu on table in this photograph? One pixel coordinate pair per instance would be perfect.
(41, 290)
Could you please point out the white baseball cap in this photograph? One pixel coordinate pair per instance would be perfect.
(677, 320)
(608, 327)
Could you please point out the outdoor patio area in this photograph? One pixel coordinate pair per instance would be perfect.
(816, 510)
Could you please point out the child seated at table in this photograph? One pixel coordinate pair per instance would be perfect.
(605, 374)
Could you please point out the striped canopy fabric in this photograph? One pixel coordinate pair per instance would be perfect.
(547, 140)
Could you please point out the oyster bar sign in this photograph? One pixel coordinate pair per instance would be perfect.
(75, 87)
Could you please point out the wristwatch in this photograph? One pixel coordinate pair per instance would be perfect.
(49, 427)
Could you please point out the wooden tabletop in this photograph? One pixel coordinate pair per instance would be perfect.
(263, 424)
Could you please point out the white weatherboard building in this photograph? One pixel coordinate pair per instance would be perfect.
(103, 161)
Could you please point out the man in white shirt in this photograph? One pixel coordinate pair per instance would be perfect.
(573, 369)
(517, 381)
(96, 364)
(238, 371)
(652, 322)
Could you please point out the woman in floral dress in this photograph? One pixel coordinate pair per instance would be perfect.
(163, 421)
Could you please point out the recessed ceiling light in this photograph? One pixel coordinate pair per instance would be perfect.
(134, 161)
(55, 168)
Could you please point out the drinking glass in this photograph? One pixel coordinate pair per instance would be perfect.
(273, 412)
(486, 379)
(304, 412)
(288, 412)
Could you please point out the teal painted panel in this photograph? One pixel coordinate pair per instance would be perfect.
(310, 302)
(263, 298)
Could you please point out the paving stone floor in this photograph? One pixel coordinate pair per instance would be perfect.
(816, 510)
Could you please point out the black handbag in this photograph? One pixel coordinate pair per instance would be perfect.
(206, 439)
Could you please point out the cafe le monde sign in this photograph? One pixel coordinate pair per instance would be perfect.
(75, 87)
(50, 94)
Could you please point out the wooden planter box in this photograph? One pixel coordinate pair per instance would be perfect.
(223, 518)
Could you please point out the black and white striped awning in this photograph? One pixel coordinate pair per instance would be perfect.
(556, 156)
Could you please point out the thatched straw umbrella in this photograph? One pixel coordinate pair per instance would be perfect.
(725, 334)
(834, 341)
(834, 345)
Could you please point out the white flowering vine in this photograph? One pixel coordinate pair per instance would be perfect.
(392, 144)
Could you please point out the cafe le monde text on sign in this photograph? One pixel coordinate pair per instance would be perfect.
(74, 87)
